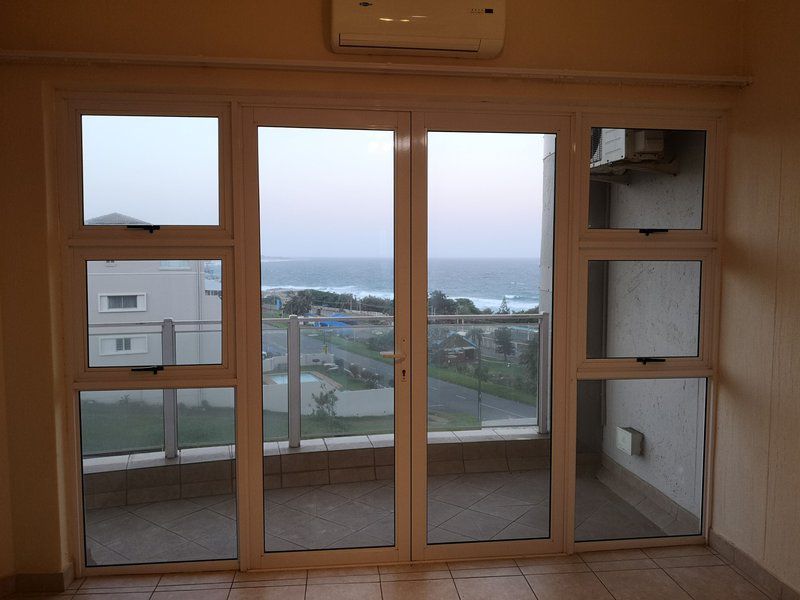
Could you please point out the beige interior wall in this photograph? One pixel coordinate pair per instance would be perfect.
(683, 36)
(6, 530)
(757, 483)
(757, 478)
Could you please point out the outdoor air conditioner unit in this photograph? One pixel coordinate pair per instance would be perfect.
(612, 146)
(460, 28)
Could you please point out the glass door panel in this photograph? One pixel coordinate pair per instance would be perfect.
(327, 223)
(490, 248)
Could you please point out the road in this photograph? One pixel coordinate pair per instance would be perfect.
(442, 395)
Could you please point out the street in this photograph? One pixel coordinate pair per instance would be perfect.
(442, 395)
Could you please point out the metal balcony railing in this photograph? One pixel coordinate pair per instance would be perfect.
(294, 325)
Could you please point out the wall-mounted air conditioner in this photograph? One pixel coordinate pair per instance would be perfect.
(610, 146)
(460, 28)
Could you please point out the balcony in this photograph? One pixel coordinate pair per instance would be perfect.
(154, 459)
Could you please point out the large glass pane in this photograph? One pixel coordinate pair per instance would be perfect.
(150, 170)
(151, 312)
(158, 475)
(643, 309)
(640, 458)
(646, 179)
(490, 240)
(327, 221)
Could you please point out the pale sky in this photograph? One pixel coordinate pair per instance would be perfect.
(324, 192)
(162, 170)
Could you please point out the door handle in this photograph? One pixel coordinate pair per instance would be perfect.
(397, 356)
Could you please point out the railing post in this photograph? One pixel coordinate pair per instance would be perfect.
(544, 374)
(293, 379)
(169, 357)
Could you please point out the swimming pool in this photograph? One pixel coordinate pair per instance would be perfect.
(304, 378)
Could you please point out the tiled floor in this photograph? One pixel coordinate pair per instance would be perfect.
(676, 573)
(478, 506)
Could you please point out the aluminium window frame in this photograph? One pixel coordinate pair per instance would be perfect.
(583, 115)
(701, 245)
(81, 243)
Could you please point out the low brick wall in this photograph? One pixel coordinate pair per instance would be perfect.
(210, 472)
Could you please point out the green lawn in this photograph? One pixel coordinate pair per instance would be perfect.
(469, 381)
(115, 428)
(356, 348)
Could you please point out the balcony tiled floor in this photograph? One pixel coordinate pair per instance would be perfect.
(675, 573)
(478, 506)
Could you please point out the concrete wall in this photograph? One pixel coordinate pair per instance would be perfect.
(684, 36)
(169, 293)
(671, 415)
(757, 479)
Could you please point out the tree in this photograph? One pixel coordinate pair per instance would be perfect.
(530, 358)
(298, 304)
(503, 310)
(325, 405)
(465, 306)
(503, 343)
(440, 304)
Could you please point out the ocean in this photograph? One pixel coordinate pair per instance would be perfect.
(485, 281)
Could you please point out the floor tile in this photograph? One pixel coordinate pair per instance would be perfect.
(714, 583)
(199, 577)
(622, 565)
(571, 586)
(270, 576)
(459, 494)
(414, 572)
(496, 588)
(360, 539)
(294, 592)
(502, 506)
(435, 589)
(355, 515)
(164, 512)
(121, 581)
(439, 512)
(99, 596)
(382, 497)
(442, 536)
(699, 560)
(475, 525)
(192, 595)
(607, 555)
(670, 551)
(579, 567)
(548, 560)
(284, 495)
(642, 585)
(344, 575)
(344, 591)
(481, 563)
(317, 502)
(354, 490)
(517, 531)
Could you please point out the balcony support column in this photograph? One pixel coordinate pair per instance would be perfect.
(543, 420)
(169, 357)
(293, 379)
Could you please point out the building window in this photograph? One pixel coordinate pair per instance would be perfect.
(122, 302)
(175, 265)
(128, 344)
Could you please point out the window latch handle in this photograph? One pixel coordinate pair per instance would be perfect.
(154, 369)
(648, 230)
(148, 228)
(645, 359)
